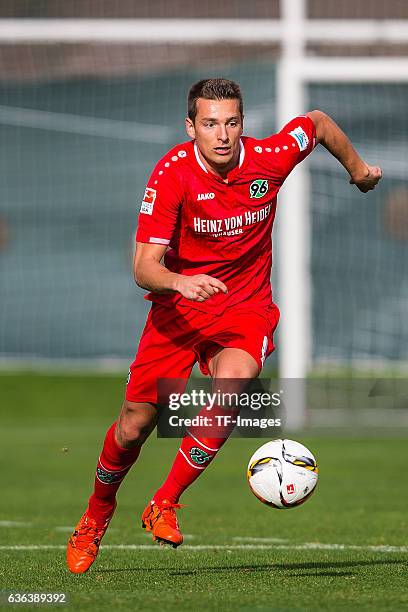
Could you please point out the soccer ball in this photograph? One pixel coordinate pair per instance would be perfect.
(282, 473)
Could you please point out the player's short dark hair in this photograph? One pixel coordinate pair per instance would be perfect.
(213, 89)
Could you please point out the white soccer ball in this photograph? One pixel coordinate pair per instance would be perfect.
(282, 473)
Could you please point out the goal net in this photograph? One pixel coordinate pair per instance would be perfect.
(359, 247)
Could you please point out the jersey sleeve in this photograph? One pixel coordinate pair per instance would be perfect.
(160, 206)
(291, 145)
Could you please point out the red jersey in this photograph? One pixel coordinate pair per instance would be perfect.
(223, 229)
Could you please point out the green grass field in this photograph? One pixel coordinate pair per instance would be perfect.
(345, 549)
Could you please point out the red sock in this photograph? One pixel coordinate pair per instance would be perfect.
(195, 453)
(113, 465)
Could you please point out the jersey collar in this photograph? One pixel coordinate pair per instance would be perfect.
(241, 153)
(241, 156)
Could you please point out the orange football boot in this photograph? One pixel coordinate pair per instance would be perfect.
(83, 545)
(160, 518)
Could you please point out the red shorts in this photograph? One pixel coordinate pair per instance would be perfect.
(173, 340)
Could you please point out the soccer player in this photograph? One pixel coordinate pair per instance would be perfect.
(204, 252)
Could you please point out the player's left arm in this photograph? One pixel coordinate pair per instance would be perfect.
(332, 137)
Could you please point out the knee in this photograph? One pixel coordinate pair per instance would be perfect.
(135, 423)
(236, 371)
(233, 378)
(233, 363)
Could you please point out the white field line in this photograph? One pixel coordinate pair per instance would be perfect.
(67, 529)
(383, 548)
(63, 529)
(260, 540)
(88, 126)
(12, 524)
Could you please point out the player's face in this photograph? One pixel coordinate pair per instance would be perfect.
(217, 129)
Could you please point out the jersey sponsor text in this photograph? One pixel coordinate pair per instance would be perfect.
(220, 226)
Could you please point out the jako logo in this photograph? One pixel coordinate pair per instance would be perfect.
(205, 196)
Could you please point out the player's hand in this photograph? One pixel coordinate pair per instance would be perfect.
(368, 180)
(199, 287)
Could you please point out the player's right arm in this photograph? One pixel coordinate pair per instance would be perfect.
(152, 275)
(159, 215)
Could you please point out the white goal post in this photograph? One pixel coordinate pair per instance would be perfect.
(295, 71)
